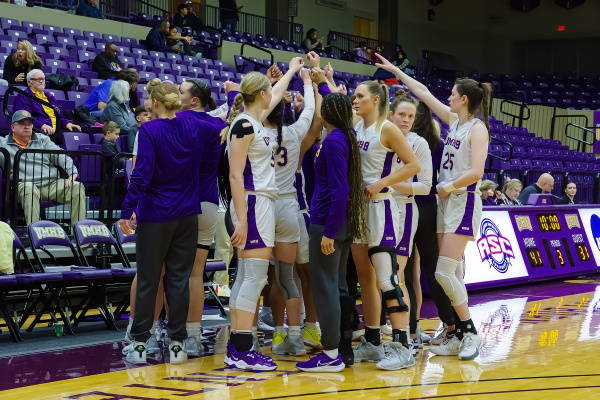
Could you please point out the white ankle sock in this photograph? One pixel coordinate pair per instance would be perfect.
(254, 332)
(333, 354)
(193, 329)
(311, 325)
(294, 332)
(154, 327)
(280, 329)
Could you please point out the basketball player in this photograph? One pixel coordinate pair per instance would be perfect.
(253, 194)
(380, 142)
(459, 205)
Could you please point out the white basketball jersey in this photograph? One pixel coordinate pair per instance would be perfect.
(376, 159)
(286, 157)
(420, 148)
(259, 174)
(456, 160)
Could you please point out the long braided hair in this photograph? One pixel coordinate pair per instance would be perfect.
(276, 117)
(337, 111)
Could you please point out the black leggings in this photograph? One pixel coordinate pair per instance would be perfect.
(426, 242)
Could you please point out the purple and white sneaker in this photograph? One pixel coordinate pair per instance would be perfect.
(248, 361)
(322, 363)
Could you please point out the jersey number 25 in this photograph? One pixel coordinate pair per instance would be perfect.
(448, 164)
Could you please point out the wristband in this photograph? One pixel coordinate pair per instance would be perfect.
(449, 187)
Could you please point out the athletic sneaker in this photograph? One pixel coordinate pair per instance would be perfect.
(127, 349)
(368, 352)
(356, 335)
(278, 338)
(152, 345)
(249, 360)
(137, 353)
(312, 338)
(265, 322)
(193, 347)
(290, 347)
(177, 353)
(440, 335)
(256, 344)
(399, 357)
(322, 363)
(425, 338)
(415, 346)
(386, 330)
(451, 347)
(471, 344)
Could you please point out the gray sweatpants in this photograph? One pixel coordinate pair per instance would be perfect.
(328, 281)
(174, 244)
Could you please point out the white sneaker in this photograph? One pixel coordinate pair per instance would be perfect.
(471, 344)
(386, 330)
(425, 338)
(368, 352)
(265, 322)
(127, 349)
(440, 335)
(415, 346)
(399, 357)
(356, 335)
(451, 347)
(137, 353)
(192, 347)
(290, 347)
(152, 345)
(177, 353)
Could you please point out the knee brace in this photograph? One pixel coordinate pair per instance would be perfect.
(387, 276)
(239, 278)
(445, 274)
(284, 275)
(255, 279)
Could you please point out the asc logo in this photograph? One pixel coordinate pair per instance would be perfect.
(494, 247)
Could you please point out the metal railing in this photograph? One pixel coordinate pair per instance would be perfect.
(517, 118)
(581, 142)
(257, 65)
(32, 184)
(345, 42)
(118, 180)
(4, 185)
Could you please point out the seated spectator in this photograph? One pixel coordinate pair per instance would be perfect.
(401, 62)
(570, 192)
(360, 51)
(512, 189)
(378, 50)
(40, 176)
(98, 98)
(386, 77)
(157, 39)
(87, 8)
(44, 117)
(107, 64)
(187, 20)
(18, 65)
(118, 111)
(313, 42)
(489, 195)
(141, 115)
(544, 184)
(184, 42)
(109, 141)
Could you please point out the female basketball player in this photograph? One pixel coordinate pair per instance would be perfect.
(380, 142)
(337, 216)
(459, 205)
(253, 195)
(403, 113)
(195, 96)
(165, 194)
(285, 143)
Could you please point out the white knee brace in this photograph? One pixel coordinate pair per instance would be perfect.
(255, 279)
(239, 278)
(446, 274)
(284, 275)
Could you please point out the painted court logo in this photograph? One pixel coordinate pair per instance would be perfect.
(595, 225)
(494, 247)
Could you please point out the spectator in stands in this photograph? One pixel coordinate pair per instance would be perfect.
(87, 8)
(157, 39)
(141, 115)
(361, 51)
(40, 176)
(44, 117)
(544, 184)
(402, 61)
(313, 42)
(570, 192)
(109, 141)
(378, 50)
(118, 111)
(512, 189)
(107, 64)
(229, 13)
(96, 102)
(187, 20)
(184, 42)
(489, 195)
(18, 65)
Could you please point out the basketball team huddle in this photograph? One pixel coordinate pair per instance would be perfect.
(385, 187)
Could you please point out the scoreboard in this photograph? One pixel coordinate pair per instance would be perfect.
(528, 243)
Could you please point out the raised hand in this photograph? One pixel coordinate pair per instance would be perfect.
(274, 73)
(296, 64)
(314, 59)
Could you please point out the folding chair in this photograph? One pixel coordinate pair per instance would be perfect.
(209, 272)
(44, 233)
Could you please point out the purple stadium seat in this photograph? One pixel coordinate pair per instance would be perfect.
(144, 64)
(140, 52)
(92, 35)
(146, 76)
(166, 77)
(85, 56)
(9, 45)
(72, 140)
(181, 68)
(156, 54)
(59, 53)
(78, 97)
(110, 38)
(56, 64)
(128, 40)
(100, 45)
(8, 23)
